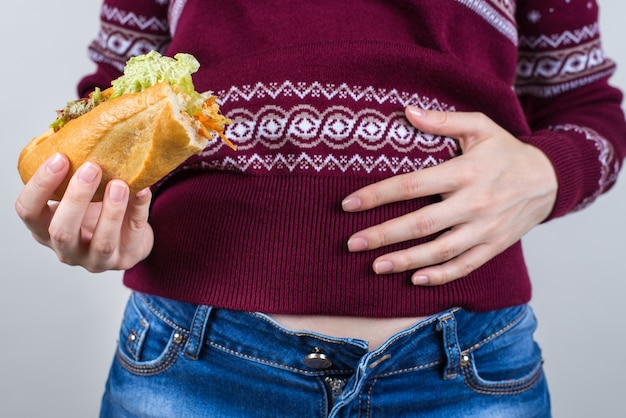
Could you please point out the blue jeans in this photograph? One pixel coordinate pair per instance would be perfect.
(180, 360)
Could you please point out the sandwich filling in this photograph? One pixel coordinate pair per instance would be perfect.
(144, 71)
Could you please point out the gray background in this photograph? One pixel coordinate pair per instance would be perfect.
(58, 324)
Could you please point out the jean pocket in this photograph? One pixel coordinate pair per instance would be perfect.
(507, 362)
(149, 343)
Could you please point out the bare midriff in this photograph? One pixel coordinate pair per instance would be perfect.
(373, 330)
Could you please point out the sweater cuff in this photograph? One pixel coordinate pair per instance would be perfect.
(576, 164)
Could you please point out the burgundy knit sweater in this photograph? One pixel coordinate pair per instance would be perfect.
(316, 91)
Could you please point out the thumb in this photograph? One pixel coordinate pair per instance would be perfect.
(468, 129)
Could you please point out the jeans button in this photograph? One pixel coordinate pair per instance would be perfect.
(317, 359)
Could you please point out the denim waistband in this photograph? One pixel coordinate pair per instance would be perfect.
(441, 338)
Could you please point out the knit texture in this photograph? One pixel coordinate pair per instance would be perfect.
(316, 92)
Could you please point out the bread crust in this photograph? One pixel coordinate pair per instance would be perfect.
(138, 138)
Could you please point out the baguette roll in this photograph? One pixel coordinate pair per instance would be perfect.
(137, 137)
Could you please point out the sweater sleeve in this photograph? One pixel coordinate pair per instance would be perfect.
(127, 28)
(574, 114)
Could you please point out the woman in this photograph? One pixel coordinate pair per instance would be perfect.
(359, 254)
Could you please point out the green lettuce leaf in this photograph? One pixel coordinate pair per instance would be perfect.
(141, 72)
(145, 71)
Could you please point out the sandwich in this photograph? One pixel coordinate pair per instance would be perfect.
(139, 129)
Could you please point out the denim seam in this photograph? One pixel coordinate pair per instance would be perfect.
(130, 346)
(502, 330)
(449, 330)
(424, 323)
(278, 365)
(502, 388)
(162, 317)
(411, 369)
(368, 410)
(169, 360)
(325, 404)
(190, 352)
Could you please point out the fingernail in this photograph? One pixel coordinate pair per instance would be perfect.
(87, 173)
(420, 280)
(351, 203)
(142, 193)
(55, 163)
(357, 244)
(383, 267)
(416, 111)
(117, 191)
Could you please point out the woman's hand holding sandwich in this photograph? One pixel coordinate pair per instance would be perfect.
(87, 178)
(110, 235)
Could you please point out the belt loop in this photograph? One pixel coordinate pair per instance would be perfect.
(196, 333)
(447, 325)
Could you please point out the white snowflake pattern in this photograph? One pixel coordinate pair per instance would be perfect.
(266, 138)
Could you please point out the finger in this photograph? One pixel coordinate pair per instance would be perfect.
(137, 236)
(426, 221)
(65, 226)
(106, 236)
(455, 269)
(443, 249)
(431, 181)
(467, 127)
(32, 203)
(137, 213)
